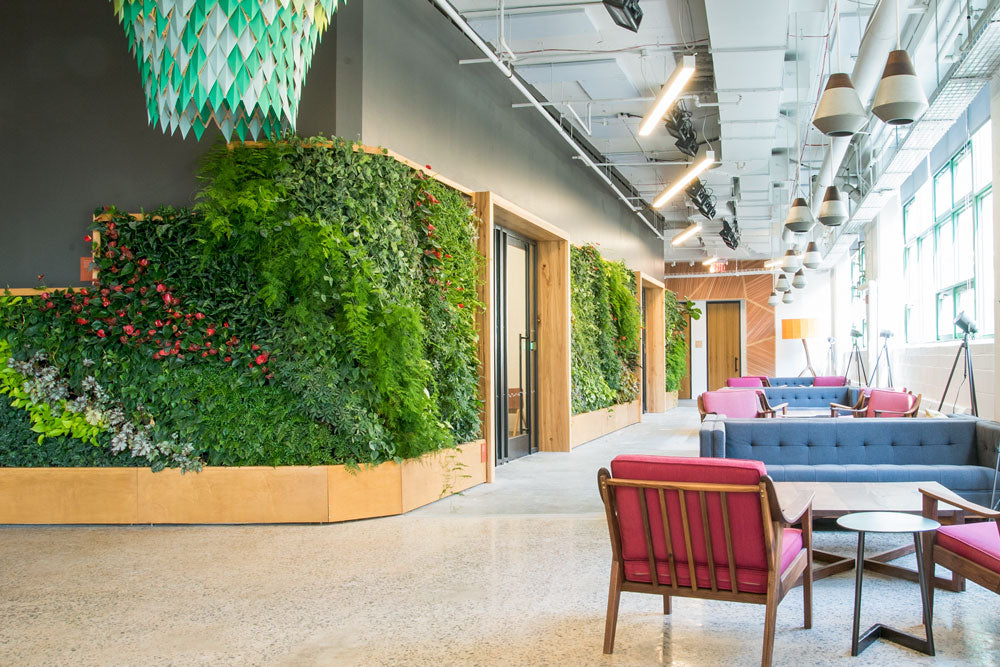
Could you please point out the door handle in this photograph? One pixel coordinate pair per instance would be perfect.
(736, 365)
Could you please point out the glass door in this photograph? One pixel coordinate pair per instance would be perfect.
(515, 346)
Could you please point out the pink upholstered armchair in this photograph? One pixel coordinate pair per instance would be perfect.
(744, 382)
(704, 528)
(738, 404)
(830, 381)
(881, 403)
(969, 550)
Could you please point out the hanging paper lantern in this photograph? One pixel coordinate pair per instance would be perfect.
(237, 64)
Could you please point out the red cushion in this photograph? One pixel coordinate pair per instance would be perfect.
(734, 404)
(745, 382)
(748, 579)
(829, 381)
(979, 542)
(895, 402)
(744, 510)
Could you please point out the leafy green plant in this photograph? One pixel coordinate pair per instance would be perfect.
(677, 313)
(318, 305)
(605, 331)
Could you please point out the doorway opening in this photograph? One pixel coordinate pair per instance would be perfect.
(724, 342)
(516, 277)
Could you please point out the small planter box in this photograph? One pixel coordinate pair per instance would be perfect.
(590, 425)
(671, 400)
(289, 494)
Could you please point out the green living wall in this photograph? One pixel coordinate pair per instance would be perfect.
(676, 314)
(316, 306)
(605, 331)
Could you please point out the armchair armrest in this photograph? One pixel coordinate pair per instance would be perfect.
(837, 407)
(961, 503)
(798, 507)
(900, 413)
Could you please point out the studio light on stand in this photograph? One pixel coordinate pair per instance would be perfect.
(885, 335)
(969, 329)
(857, 359)
(831, 356)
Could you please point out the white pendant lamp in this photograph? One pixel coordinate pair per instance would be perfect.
(774, 299)
(792, 262)
(800, 218)
(839, 113)
(787, 297)
(813, 258)
(781, 285)
(899, 98)
(833, 210)
(799, 281)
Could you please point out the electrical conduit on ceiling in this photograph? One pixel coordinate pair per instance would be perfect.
(453, 14)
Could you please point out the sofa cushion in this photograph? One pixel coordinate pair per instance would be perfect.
(744, 382)
(808, 397)
(979, 542)
(748, 579)
(791, 381)
(829, 381)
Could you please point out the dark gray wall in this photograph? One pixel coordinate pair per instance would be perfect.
(74, 136)
(458, 118)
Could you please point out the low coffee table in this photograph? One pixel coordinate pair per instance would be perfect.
(835, 499)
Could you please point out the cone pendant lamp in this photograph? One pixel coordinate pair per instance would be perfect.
(899, 99)
(799, 281)
(800, 218)
(813, 258)
(791, 262)
(787, 297)
(782, 284)
(839, 113)
(833, 210)
(774, 299)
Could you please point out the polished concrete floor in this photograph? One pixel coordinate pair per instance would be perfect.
(513, 573)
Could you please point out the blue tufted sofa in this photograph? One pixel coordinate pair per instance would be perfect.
(958, 452)
(804, 381)
(808, 396)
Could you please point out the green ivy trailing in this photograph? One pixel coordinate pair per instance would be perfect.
(317, 306)
(605, 332)
(676, 315)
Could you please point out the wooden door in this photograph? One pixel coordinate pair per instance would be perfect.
(685, 390)
(724, 357)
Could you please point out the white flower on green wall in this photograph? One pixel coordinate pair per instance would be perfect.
(238, 64)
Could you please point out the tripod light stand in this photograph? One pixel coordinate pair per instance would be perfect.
(968, 328)
(857, 359)
(885, 334)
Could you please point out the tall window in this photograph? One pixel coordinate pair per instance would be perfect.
(859, 294)
(948, 256)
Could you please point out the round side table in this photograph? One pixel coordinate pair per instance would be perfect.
(889, 522)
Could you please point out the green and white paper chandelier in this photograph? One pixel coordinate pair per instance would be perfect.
(238, 64)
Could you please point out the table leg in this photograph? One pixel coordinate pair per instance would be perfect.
(859, 571)
(924, 597)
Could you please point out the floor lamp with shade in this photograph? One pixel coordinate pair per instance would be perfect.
(800, 328)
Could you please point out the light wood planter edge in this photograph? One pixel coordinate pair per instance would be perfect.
(590, 425)
(216, 495)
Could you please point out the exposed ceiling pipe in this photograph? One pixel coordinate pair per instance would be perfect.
(879, 39)
(464, 26)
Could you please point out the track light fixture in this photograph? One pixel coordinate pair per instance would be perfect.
(668, 93)
(625, 13)
(731, 234)
(692, 173)
(686, 234)
(679, 125)
(701, 198)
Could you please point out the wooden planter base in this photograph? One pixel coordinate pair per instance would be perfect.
(289, 494)
(590, 425)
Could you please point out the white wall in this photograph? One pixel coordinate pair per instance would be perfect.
(699, 354)
(814, 301)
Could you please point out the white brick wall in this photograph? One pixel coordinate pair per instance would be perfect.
(923, 369)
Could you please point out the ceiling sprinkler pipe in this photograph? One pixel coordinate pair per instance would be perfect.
(464, 26)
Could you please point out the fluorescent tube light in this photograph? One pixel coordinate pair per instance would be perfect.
(773, 263)
(671, 89)
(686, 234)
(710, 260)
(689, 175)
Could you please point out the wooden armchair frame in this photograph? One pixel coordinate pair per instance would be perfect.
(774, 520)
(961, 568)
